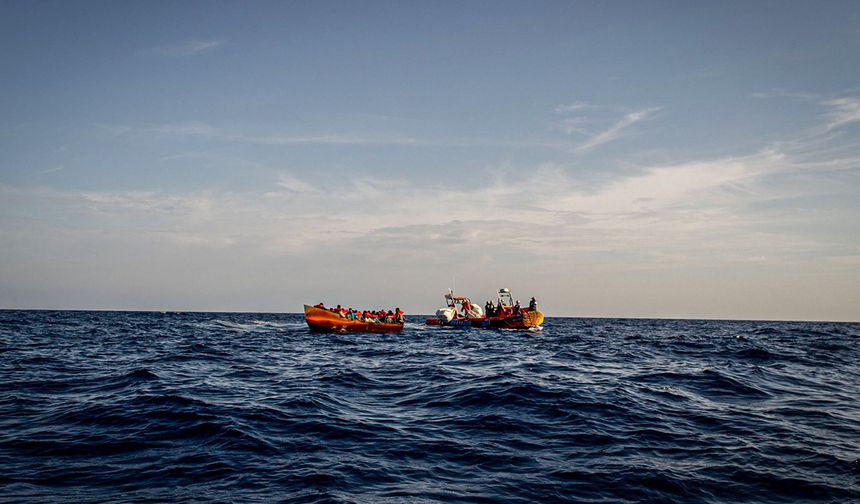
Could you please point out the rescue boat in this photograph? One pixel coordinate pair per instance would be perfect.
(460, 312)
(322, 320)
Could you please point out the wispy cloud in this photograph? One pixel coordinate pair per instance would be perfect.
(189, 128)
(296, 214)
(843, 111)
(573, 107)
(330, 139)
(575, 123)
(204, 131)
(293, 184)
(782, 93)
(185, 48)
(616, 130)
(721, 216)
(590, 120)
(552, 213)
(55, 169)
(839, 111)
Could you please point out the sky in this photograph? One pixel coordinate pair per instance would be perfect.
(613, 159)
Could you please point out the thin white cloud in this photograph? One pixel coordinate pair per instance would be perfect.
(782, 93)
(113, 130)
(839, 112)
(55, 169)
(576, 122)
(185, 48)
(294, 184)
(329, 139)
(843, 111)
(295, 215)
(573, 107)
(616, 130)
(204, 131)
(573, 125)
(698, 196)
(696, 185)
(190, 128)
(703, 215)
(588, 120)
(710, 215)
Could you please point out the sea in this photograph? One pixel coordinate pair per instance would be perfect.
(252, 407)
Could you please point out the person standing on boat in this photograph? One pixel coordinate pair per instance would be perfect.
(532, 304)
(517, 307)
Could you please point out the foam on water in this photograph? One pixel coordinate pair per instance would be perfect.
(253, 407)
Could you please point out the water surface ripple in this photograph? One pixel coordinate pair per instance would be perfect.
(152, 407)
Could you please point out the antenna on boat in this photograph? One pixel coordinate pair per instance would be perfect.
(454, 283)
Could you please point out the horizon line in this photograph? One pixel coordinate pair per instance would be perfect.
(179, 312)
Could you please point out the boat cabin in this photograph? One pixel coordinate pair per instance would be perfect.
(505, 298)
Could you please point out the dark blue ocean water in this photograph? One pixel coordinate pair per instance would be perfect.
(135, 407)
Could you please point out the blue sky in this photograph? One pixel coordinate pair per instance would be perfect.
(661, 159)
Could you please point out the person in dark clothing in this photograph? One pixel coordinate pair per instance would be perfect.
(517, 307)
(532, 304)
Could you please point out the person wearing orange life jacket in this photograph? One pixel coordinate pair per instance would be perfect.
(398, 315)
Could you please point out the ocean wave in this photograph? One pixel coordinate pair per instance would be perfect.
(99, 407)
(707, 382)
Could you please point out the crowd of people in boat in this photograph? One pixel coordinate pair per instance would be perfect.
(491, 310)
(375, 316)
